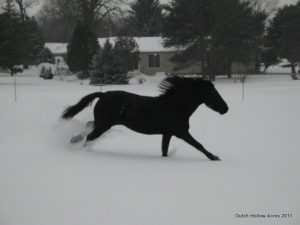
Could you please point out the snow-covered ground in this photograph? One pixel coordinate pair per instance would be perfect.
(122, 180)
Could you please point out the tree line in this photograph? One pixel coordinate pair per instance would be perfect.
(105, 18)
(213, 32)
(21, 41)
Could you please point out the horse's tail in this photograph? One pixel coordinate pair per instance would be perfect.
(84, 102)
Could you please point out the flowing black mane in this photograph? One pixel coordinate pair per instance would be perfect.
(175, 84)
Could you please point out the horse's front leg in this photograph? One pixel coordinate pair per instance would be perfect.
(165, 144)
(187, 137)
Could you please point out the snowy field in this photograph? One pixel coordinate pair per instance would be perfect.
(123, 180)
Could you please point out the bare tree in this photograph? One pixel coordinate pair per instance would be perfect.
(88, 11)
(269, 7)
(92, 11)
(23, 5)
(2, 2)
(2, 5)
(60, 16)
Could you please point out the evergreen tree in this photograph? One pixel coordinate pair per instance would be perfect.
(81, 49)
(213, 32)
(11, 40)
(145, 18)
(20, 41)
(34, 43)
(284, 34)
(104, 66)
(45, 56)
(127, 50)
(113, 63)
(97, 72)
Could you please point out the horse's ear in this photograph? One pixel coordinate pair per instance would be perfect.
(207, 80)
(208, 83)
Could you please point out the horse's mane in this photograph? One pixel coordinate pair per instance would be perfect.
(174, 84)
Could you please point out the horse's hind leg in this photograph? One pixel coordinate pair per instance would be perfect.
(78, 138)
(97, 132)
(187, 137)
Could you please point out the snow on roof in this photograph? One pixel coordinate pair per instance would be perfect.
(57, 48)
(146, 44)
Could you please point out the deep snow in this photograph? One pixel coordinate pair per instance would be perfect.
(122, 179)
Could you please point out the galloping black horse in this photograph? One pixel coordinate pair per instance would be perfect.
(167, 114)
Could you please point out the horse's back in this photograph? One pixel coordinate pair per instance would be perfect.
(121, 103)
(139, 113)
(121, 98)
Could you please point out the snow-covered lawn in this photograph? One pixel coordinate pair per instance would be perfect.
(122, 180)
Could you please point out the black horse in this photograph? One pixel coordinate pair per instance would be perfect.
(167, 114)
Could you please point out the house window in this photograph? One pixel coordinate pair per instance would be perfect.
(154, 60)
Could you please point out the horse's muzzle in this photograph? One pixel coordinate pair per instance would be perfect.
(225, 110)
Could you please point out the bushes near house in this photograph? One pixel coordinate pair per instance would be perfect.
(46, 73)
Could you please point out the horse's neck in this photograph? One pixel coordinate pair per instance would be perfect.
(182, 103)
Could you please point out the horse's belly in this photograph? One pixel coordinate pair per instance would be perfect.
(144, 128)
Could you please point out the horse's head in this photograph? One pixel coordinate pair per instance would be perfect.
(213, 99)
(196, 90)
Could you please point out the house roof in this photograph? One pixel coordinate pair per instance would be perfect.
(57, 48)
(146, 44)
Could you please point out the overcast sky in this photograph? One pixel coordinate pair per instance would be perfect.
(281, 2)
(288, 1)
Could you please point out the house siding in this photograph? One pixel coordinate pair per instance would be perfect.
(166, 66)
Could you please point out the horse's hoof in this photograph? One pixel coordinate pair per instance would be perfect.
(76, 139)
(89, 124)
(87, 145)
(214, 158)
